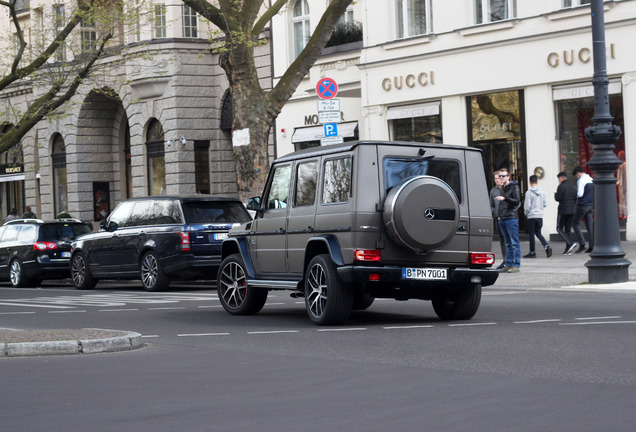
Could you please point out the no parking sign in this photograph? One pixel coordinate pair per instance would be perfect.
(326, 88)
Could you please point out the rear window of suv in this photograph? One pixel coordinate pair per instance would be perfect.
(58, 231)
(397, 169)
(200, 212)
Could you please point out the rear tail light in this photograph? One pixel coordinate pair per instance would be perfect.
(42, 246)
(367, 255)
(483, 258)
(185, 241)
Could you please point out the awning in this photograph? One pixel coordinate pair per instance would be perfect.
(410, 111)
(11, 177)
(314, 133)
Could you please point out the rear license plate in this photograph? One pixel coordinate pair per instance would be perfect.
(66, 254)
(425, 273)
(219, 236)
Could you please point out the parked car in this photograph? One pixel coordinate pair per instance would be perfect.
(344, 224)
(32, 250)
(157, 239)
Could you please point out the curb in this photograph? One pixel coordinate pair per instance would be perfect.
(122, 341)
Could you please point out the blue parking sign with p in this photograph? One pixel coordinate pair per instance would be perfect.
(331, 129)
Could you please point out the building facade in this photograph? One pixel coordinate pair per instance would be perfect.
(155, 118)
(513, 78)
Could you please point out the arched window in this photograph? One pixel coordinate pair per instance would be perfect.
(300, 25)
(227, 113)
(156, 158)
(60, 187)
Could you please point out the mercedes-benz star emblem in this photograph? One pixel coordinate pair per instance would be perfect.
(429, 213)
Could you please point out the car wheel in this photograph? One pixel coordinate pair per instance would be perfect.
(80, 273)
(327, 299)
(16, 275)
(235, 295)
(362, 301)
(460, 305)
(152, 275)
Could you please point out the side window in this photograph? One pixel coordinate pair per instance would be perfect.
(306, 182)
(278, 194)
(120, 214)
(26, 234)
(142, 214)
(10, 233)
(166, 212)
(336, 187)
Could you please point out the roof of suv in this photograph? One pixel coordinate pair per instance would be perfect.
(193, 197)
(338, 148)
(40, 221)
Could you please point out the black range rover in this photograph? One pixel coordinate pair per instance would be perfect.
(157, 239)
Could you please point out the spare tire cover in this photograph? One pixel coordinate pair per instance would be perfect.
(421, 213)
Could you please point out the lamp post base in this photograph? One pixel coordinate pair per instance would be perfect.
(607, 271)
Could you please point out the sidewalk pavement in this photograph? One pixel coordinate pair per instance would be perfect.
(560, 272)
(557, 273)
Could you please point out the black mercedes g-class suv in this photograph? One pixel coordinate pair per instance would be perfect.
(344, 224)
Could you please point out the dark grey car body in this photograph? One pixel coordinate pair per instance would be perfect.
(392, 220)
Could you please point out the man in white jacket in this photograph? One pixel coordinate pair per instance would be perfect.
(533, 208)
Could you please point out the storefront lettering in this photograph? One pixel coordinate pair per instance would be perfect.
(569, 57)
(410, 81)
(13, 170)
(495, 127)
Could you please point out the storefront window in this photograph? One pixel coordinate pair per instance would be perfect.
(416, 123)
(60, 187)
(156, 159)
(574, 116)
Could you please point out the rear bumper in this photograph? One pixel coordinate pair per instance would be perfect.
(392, 276)
(45, 268)
(189, 266)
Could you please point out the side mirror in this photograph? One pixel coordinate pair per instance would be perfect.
(102, 224)
(254, 203)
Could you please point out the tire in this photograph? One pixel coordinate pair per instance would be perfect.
(16, 275)
(152, 276)
(421, 213)
(81, 273)
(362, 301)
(235, 295)
(461, 305)
(327, 300)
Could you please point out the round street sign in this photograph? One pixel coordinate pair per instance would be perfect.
(326, 88)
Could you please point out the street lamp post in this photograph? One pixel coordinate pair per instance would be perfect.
(607, 262)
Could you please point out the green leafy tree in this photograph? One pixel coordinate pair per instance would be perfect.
(241, 23)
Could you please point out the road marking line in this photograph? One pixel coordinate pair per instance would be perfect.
(273, 332)
(116, 310)
(202, 334)
(598, 323)
(472, 325)
(343, 329)
(61, 312)
(16, 313)
(408, 327)
(149, 336)
(598, 318)
(272, 304)
(35, 305)
(167, 308)
(537, 321)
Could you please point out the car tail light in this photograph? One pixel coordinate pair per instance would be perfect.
(42, 246)
(374, 277)
(367, 255)
(487, 258)
(185, 241)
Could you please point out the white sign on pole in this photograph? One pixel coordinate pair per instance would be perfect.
(331, 140)
(328, 105)
(329, 117)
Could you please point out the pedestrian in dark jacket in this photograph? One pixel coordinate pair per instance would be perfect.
(494, 208)
(509, 202)
(565, 195)
(584, 208)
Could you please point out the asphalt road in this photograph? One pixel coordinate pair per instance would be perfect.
(529, 361)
